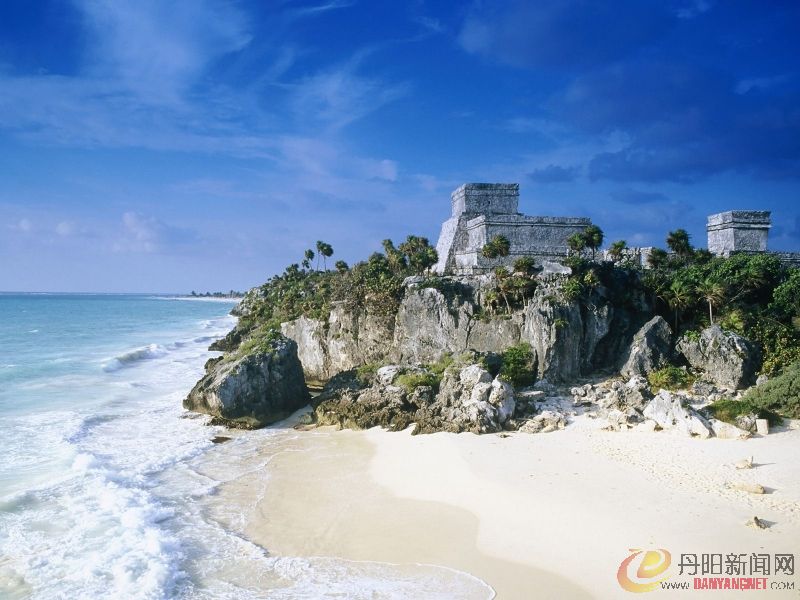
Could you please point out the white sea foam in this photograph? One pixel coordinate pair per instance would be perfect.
(105, 501)
(146, 353)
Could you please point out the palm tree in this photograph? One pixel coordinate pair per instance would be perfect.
(678, 297)
(342, 266)
(324, 250)
(593, 237)
(617, 249)
(657, 258)
(397, 262)
(678, 242)
(308, 257)
(419, 253)
(498, 246)
(504, 284)
(712, 291)
(576, 243)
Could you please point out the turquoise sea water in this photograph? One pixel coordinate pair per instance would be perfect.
(90, 407)
(109, 489)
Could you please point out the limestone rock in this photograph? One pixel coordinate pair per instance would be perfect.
(747, 422)
(544, 422)
(750, 488)
(650, 349)
(468, 399)
(252, 390)
(727, 358)
(550, 269)
(746, 463)
(669, 412)
(757, 523)
(726, 431)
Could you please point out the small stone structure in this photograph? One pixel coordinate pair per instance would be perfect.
(481, 211)
(738, 231)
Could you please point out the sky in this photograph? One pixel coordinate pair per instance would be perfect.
(153, 146)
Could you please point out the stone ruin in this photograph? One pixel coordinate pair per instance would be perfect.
(481, 211)
(738, 231)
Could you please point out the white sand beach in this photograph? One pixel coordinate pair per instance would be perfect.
(535, 516)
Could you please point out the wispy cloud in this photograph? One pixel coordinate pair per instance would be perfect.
(313, 10)
(157, 50)
(340, 95)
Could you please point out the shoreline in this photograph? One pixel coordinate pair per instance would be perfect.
(544, 515)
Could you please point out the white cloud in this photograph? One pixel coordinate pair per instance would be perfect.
(158, 49)
(66, 228)
(340, 95)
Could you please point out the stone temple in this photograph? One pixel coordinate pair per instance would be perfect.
(481, 211)
(738, 231)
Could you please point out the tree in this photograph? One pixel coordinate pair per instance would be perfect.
(342, 266)
(326, 251)
(576, 243)
(678, 242)
(524, 264)
(397, 262)
(504, 284)
(308, 257)
(678, 297)
(617, 250)
(593, 238)
(498, 246)
(419, 254)
(658, 258)
(713, 292)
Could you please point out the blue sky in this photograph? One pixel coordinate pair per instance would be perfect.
(202, 144)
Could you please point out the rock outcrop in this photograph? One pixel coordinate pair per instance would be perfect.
(468, 398)
(254, 389)
(450, 315)
(621, 404)
(727, 359)
(670, 411)
(651, 349)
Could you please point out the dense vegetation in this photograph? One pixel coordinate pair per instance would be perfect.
(753, 295)
(780, 395)
(518, 366)
(374, 283)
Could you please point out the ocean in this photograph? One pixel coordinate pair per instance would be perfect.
(108, 487)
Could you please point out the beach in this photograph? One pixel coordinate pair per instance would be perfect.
(545, 516)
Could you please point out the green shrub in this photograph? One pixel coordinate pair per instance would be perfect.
(441, 365)
(259, 341)
(517, 367)
(366, 373)
(692, 335)
(411, 381)
(780, 395)
(670, 378)
(525, 264)
(572, 289)
(727, 410)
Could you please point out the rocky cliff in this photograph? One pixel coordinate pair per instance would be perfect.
(450, 315)
(251, 388)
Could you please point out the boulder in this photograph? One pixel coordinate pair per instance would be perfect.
(726, 431)
(650, 350)
(544, 422)
(668, 411)
(728, 359)
(253, 390)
